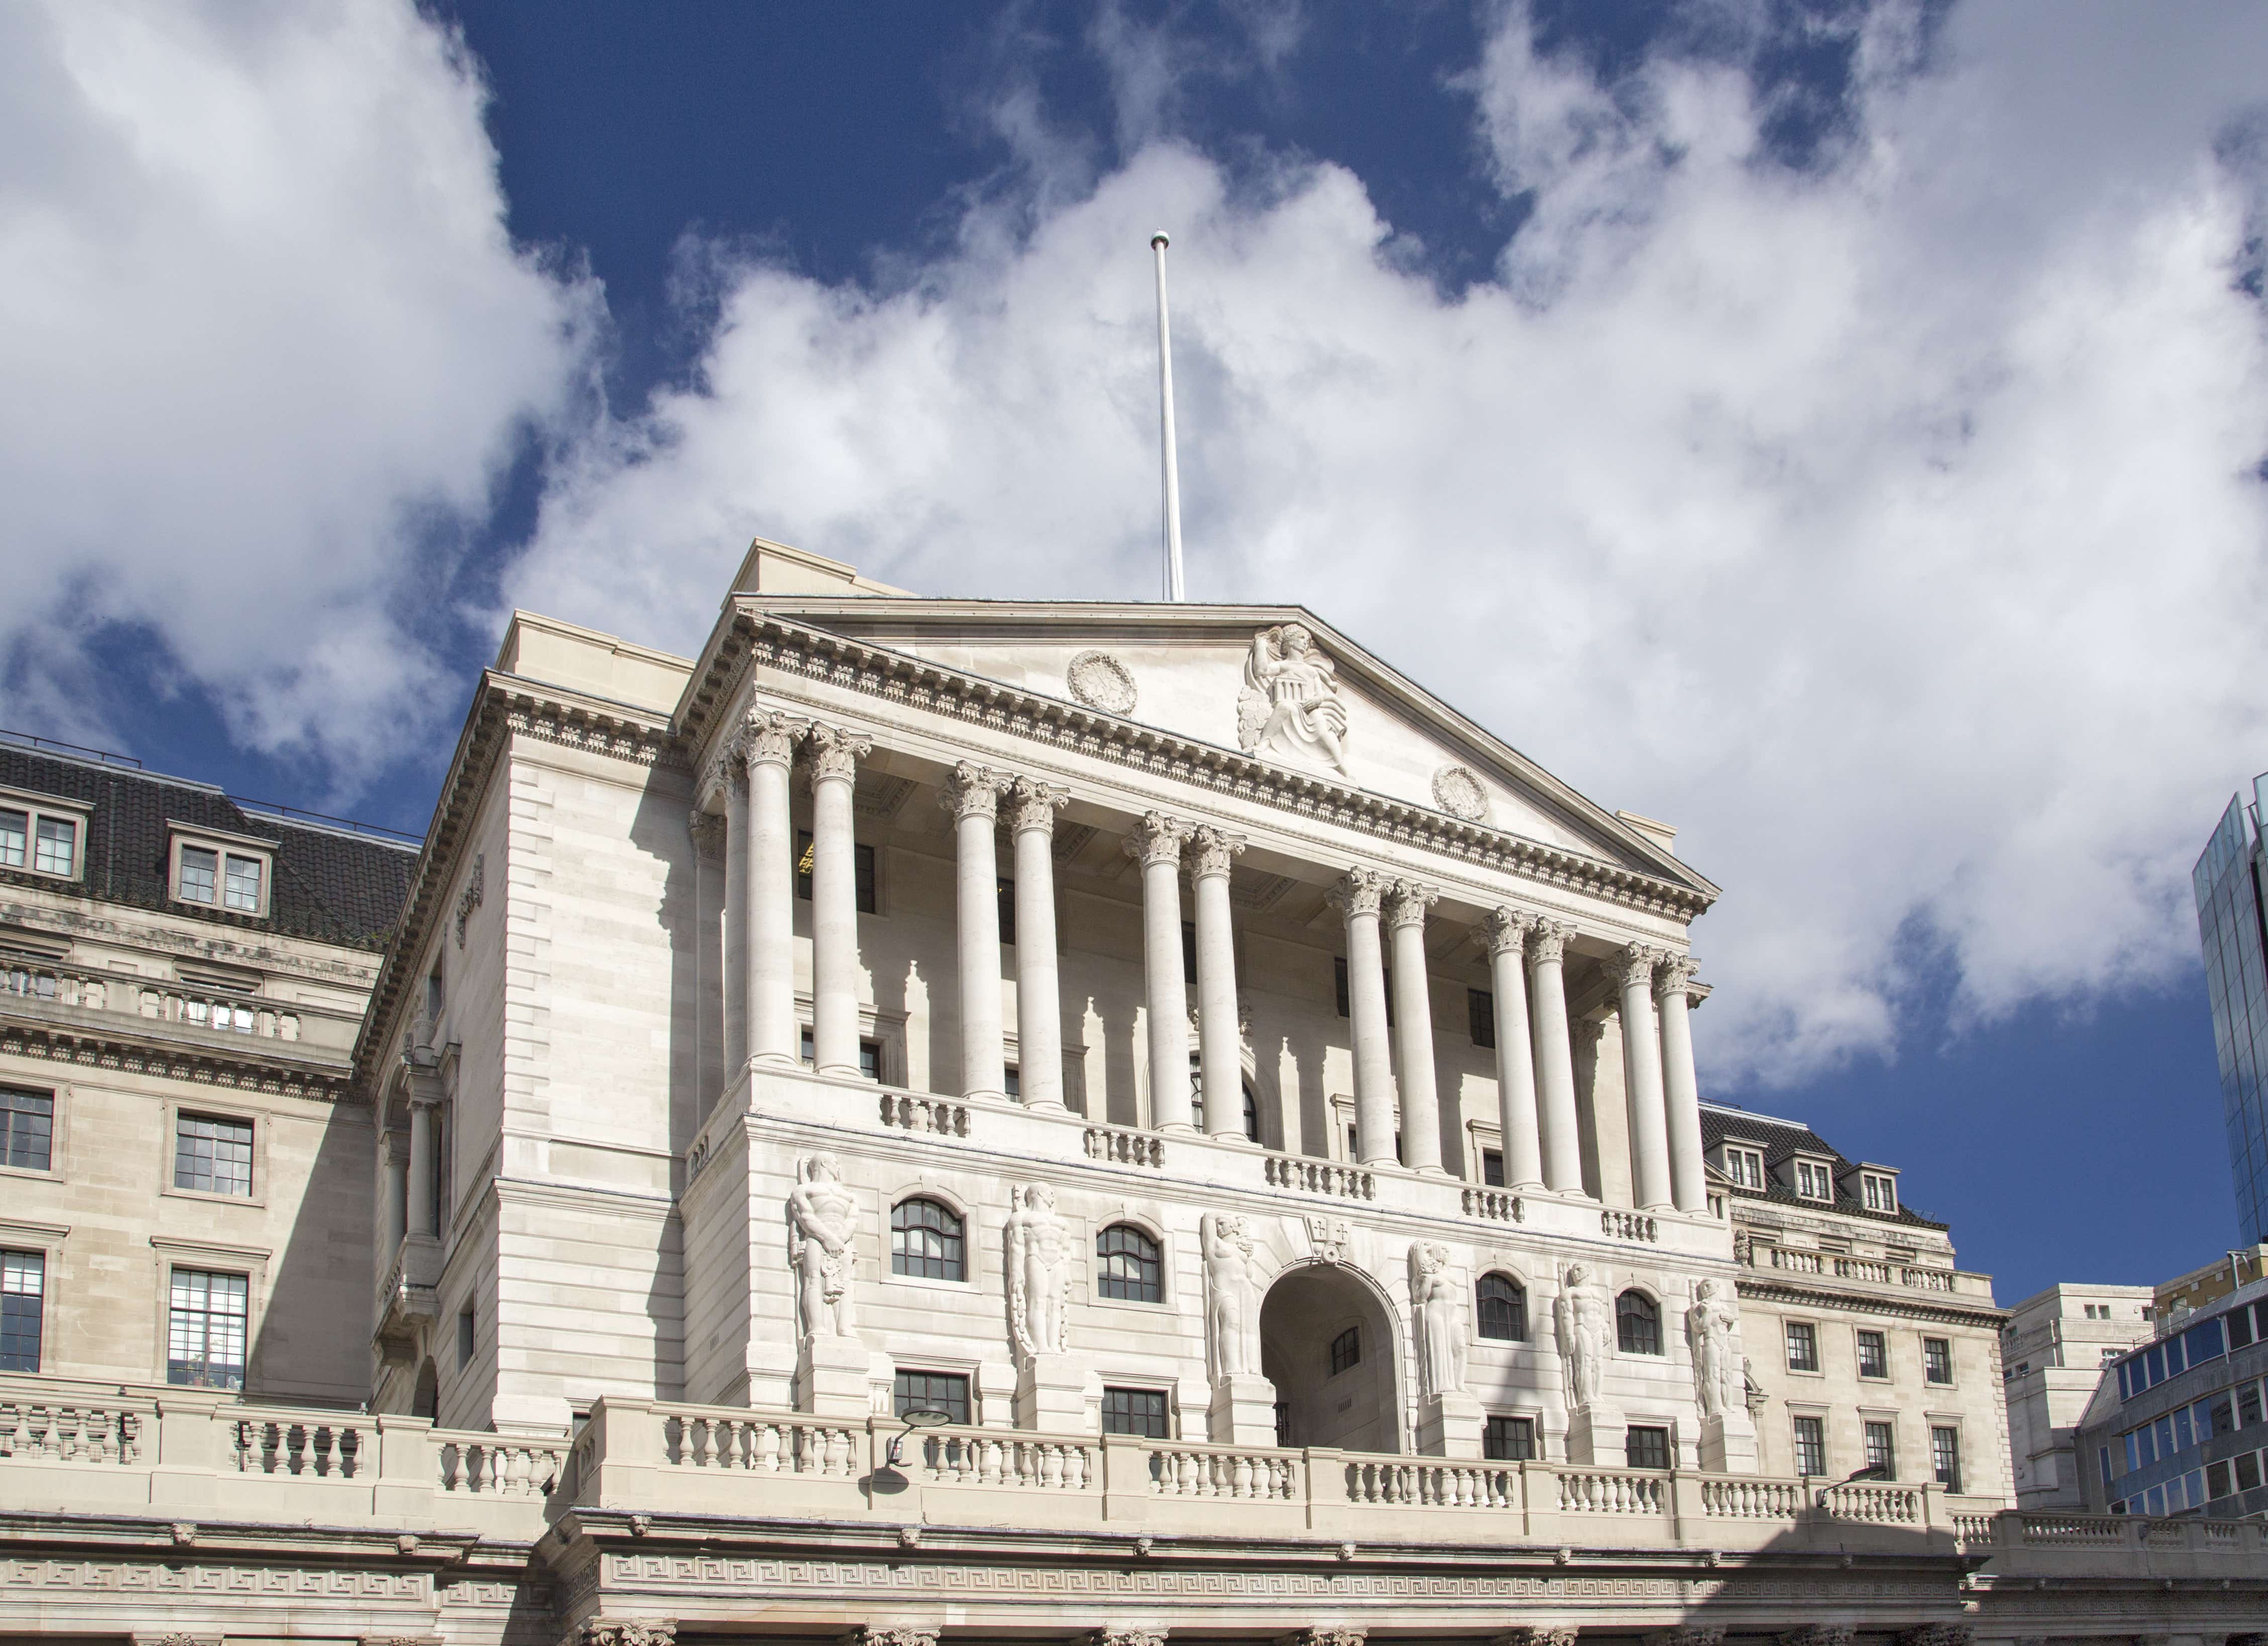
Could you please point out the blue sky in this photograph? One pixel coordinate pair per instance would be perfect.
(1841, 425)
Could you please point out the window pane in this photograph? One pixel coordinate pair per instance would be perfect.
(1127, 1265)
(22, 1277)
(1648, 1448)
(1346, 1350)
(1492, 1168)
(1945, 1456)
(925, 1241)
(242, 892)
(1873, 1355)
(932, 1391)
(1937, 1360)
(206, 1330)
(1502, 1306)
(1882, 1449)
(57, 852)
(1480, 1014)
(1007, 901)
(212, 1156)
(1637, 1323)
(1508, 1440)
(1135, 1412)
(29, 1120)
(1810, 1446)
(15, 832)
(862, 873)
(870, 1059)
(1803, 1347)
(200, 870)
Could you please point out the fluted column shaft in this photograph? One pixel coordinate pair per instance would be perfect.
(1554, 1058)
(1688, 1183)
(1157, 842)
(734, 991)
(1520, 1128)
(1039, 1002)
(421, 1167)
(835, 755)
(972, 795)
(1649, 1135)
(1413, 1043)
(1220, 1060)
(768, 747)
(1358, 895)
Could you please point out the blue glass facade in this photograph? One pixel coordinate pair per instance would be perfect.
(2226, 881)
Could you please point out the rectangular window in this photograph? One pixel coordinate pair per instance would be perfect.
(2184, 1435)
(1745, 1167)
(16, 834)
(1492, 1168)
(2248, 1405)
(1944, 1457)
(207, 1330)
(200, 874)
(1810, 1446)
(2146, 1446)
(2240, 1328)
(1007, 900)
(23, 1280)
(1882, 1192)
(242, 891)
(214, 1156)
(1346, 1350)
(1814, 1182)
(1874, 1354)
(1480, 1017)
(1189, 952)
(29, 1121)
(2103, 1457)
(862, 871)
(2218, 1482)
(1509, 1440)
(1135, 1412)
(1882, 1449)
(2154, 1501)
(2156, 1362)
(57, 852)
(1011, 1081)
(932, 1391)
(1937, 1360)
(869, 1055)
(2248, 1471)
(1339, 984)
(1803, 1347)
(468, 1336)
(1647, 1447)
(2215, 1416)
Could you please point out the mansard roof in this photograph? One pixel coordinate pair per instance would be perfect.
(1781, 1140)
(332, 884)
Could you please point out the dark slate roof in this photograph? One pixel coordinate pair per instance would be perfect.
(1781, 1140)
(332, 884)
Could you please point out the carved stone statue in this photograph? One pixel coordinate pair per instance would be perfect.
(824, 1216)
(1232, 1314)
(1709, 1335)
(1039, 1272)
(1437, 1313)
(1290, 702)
(1585, 1328)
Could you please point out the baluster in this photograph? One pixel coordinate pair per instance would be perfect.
(1239, 1478)
(768, 1448)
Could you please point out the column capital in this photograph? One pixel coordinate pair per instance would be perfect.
(1633, 965)
(835, 751)
(1157, 839)
(1538, 1634)
(891, 1635)
(1212, 851)
(973, 791)
(1127, 1637)
(1407, 904)
(1358, 891)
(1033, 804)
(1507, 929)
(1322, 1637)
(1674, 976)
(629, 1632)
(766, 737)
(1548, 939)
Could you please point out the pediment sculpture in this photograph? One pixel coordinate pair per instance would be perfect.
(1290, 706)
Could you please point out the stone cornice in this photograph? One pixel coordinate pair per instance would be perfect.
(1780, 1289)
(98, 1047)
(758, 638)
(503, 705)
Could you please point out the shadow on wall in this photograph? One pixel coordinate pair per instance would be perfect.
(313, 1342)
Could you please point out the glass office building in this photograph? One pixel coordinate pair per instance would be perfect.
(2228, 883)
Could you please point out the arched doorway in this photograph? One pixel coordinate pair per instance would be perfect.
(1328, 1343)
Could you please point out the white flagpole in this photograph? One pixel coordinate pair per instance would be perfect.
(1173, 478)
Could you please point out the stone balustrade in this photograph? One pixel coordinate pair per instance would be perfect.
(1762, 1254)
(64, 986)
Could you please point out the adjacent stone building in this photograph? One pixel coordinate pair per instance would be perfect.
(2053, 1352)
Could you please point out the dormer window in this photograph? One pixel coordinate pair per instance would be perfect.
(1879, 1191)
(41, 835)
(1744, 1166)
(1815, 1180)
(211, 870)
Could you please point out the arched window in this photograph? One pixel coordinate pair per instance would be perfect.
(1637, 1323)
(926, 1241)
(1251, 1114)
(1127, 1265)
(1502, 1308)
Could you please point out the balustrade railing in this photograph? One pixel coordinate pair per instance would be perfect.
(768, 1444)
(1733, 1497)
(913, 1111)
(91, 990)
(70, 1432)
(301, 1444)
(1123, 1146)
(1610, 1492)
(1494, 1204)
(976, 1457)
(1420, 1483)
(1224, 1472)
(1321, 1177)
(1875, 1505)
(1628, 1225)
(500, 1465)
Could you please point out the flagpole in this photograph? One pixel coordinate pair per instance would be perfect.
(1172, 477)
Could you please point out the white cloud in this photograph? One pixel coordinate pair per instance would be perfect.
(265, 342)
(1892, 527)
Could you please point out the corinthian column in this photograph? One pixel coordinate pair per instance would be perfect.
(1515, 1058)
(1221, 1061)
(1039, 1003)
(767, 743)
(1413, 1045)
(972, 795)
(1157, 842)
(835, 754)
(1632, 971)
(1358, 894)
(1673, 986)
(734, 775)
(1555, 1057)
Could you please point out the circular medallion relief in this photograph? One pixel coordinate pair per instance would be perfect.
(1101, 681)
(1457, 792)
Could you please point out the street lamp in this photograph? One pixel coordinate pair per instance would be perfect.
(914, 1418)
(1871, 1472)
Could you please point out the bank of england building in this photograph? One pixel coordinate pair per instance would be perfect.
(941, 1121)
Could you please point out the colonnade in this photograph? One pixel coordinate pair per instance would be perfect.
(1385, 920)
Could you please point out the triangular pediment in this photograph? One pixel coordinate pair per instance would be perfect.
(1274, 682)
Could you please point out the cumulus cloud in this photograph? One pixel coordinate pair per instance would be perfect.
(266, 344)
(1891, 521)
